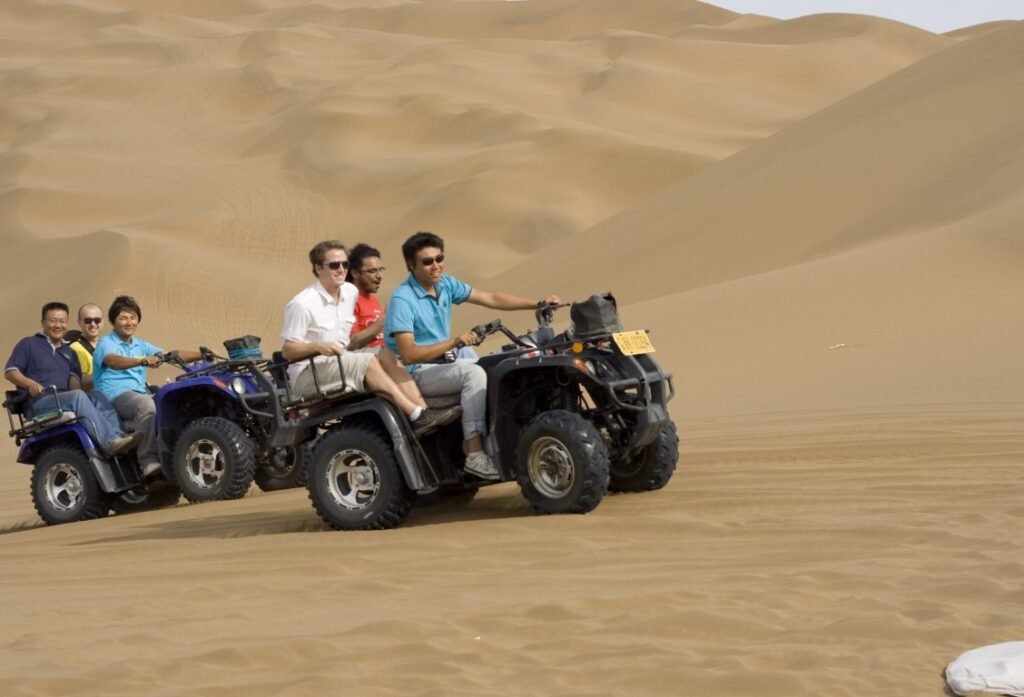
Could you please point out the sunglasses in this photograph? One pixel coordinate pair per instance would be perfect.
(92, 320)
(335, 265)
(429, 261)
(372, 272)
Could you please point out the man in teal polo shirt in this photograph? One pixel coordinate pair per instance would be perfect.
(119, 371)
(418, 328)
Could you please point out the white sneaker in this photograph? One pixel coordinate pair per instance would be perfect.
(150, 468)
(481, 464)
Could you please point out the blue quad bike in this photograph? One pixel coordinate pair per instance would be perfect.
(73, 478)
(571, 415)
(212, 446)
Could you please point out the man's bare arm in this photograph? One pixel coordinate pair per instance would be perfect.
(26, 383)
(294, 350)
(505, 301)
(411, 354)
(361, 339)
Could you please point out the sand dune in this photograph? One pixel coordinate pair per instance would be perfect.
(817, 218)
(933, 144)
(282, 123)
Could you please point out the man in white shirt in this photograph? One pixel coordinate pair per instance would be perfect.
(318, 322)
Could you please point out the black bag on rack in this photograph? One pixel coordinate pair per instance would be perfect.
(596, 315)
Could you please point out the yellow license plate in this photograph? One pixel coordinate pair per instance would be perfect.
(632, 343)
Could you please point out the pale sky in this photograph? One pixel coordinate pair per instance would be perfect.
(934, 15)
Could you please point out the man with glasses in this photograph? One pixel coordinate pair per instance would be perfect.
(366, 272)
(418, 329)
(318, 323)
(90, 323)
(43, 361)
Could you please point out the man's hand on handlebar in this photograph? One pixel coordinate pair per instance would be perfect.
(470, 338)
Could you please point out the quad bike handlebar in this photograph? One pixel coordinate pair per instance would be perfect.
(545, 312)
(171, 357)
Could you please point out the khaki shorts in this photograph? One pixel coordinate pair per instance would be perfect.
(354, 366)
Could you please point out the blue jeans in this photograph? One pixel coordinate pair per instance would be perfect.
(94, 410)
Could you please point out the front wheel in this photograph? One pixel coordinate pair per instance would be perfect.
(562, 463)
(652, 468)
(354, 481)
(213, 460)
(64, 489)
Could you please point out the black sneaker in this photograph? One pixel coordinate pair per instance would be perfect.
(435, 418)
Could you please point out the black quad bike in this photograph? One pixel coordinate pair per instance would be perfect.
(570, 415)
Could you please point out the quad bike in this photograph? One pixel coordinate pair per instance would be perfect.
(73, 477)
(570, 416)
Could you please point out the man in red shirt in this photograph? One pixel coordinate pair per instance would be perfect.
(366, 273)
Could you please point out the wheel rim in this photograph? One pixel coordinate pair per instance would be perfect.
(551, 467)
(281, 465)
(205, 464)
(64, 487)
(353, 479)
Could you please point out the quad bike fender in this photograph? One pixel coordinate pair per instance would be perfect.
(418, 473)
(167, 397)
(111, 475)
(501, 437)
(72, 434)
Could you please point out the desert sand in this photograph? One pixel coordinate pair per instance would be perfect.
(817, 219)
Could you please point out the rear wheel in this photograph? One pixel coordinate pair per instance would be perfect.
(562, 463)
(652, 468)
(284, 468)
(64, 489)
(213, 460)
(130, 502)
(354, 480)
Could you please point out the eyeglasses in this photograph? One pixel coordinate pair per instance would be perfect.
(373, 272)
(335, 265)
(92, 320)
(429, 261)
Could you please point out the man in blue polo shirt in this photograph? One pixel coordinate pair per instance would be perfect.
(119, 371)
(44, 360)
(418, 327)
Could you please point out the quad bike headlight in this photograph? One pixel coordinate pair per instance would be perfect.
(238, 385)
